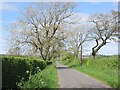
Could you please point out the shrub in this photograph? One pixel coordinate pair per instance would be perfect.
(46, 78)
(35, 81)
(67, 58)
(16, 69)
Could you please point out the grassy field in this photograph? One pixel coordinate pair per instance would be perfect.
(45, 79)
(103, 68)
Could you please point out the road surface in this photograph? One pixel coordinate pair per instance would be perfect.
(70, 78)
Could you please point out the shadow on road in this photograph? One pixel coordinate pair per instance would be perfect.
(75, 65)
(62, 67)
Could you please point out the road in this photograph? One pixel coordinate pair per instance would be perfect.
(70, 78)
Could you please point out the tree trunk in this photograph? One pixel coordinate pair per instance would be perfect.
(97, 48)
(93, 54)
(81, 56)
(81, 51)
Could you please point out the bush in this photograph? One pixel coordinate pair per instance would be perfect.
(16, 69)
(35, 81)
(46, 78)
(67, 58)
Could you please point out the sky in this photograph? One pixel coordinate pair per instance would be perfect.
(11, 11)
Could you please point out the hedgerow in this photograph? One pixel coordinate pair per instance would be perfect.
(15, 69)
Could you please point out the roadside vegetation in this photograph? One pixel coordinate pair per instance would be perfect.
(44, 79)
(18, 72)
(104, 68)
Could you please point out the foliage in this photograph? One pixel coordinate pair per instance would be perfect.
(44, 79)
(67, 57)
(104, 68)
(17, 68)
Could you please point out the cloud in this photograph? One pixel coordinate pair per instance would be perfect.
(81, 17)
(108, 49)
(0, 21)
(8, 7)
(115, 4)
(6, 22)
(3, 48)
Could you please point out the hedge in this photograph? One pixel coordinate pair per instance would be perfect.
(15, 69)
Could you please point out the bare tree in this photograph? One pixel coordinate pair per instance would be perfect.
(14, 48)
(40, 27)
(78, 36)
(104, 26)
(14, 51)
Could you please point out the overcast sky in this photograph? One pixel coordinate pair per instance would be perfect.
(12, 11)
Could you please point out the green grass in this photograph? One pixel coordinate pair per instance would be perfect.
(103, 68)
(45, 79)
(51, 77)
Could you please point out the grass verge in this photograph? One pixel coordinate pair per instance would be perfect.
(45, 79)
(104, 69)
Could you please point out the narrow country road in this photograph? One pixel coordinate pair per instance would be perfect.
(70, 78)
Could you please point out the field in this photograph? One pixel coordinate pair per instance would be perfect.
(104, 68)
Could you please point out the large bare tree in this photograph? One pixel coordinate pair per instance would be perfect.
(40, 27)
(104, 28)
